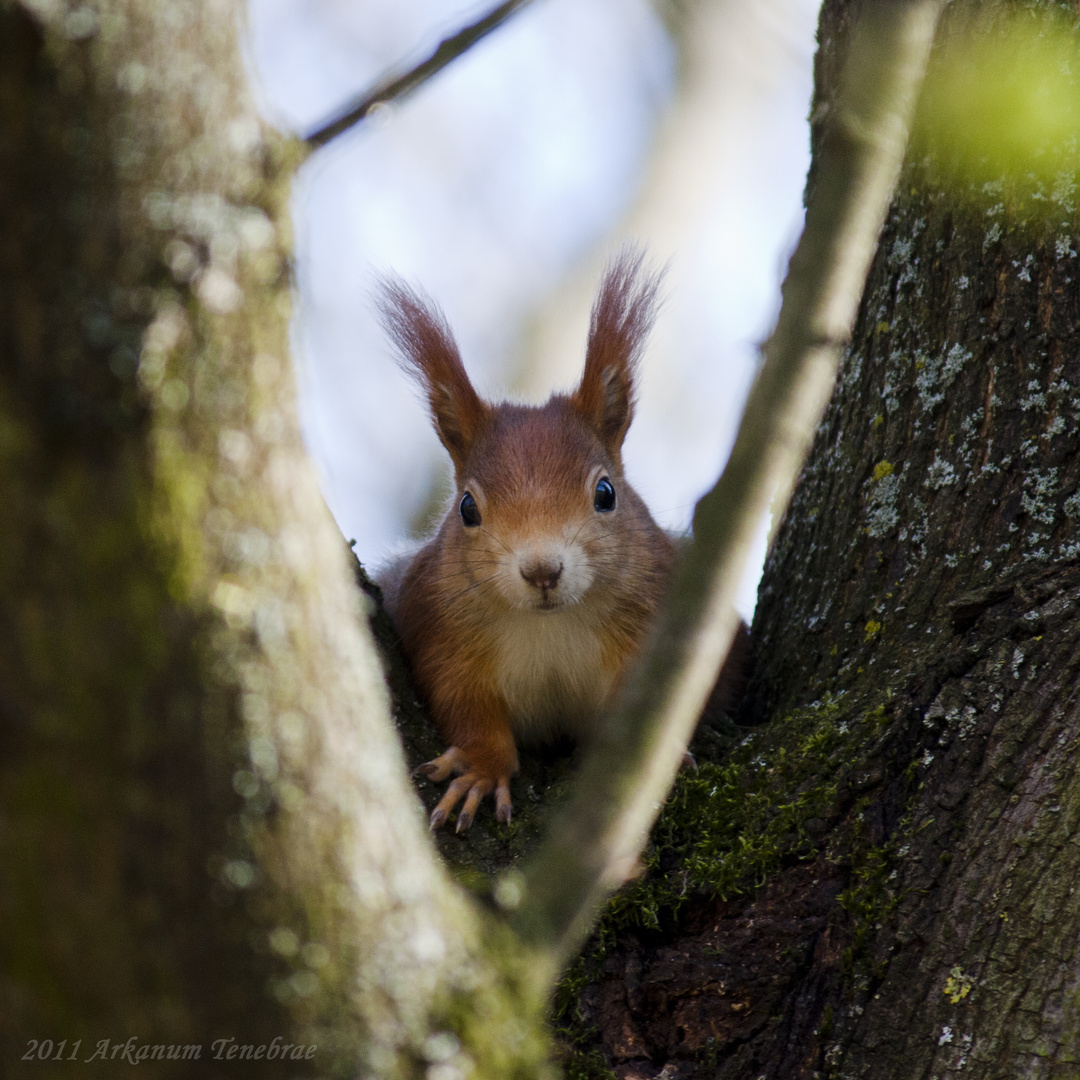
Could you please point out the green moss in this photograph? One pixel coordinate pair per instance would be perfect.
(867, 900)
(590, 1065)
(728, 827)
(874, 893)
(828, 1016)
(570, 1025)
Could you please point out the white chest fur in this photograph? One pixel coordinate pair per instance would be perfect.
(549, 667)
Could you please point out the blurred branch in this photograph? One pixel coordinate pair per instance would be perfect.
(597, 837)
(393, 87)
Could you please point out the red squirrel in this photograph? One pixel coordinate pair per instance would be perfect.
(520, 616)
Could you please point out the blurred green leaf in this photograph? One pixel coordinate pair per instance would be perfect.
(1003, 100)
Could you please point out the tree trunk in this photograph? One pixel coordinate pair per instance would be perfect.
(881, 882)
(206, 831)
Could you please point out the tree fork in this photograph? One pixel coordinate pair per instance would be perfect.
(597, 837)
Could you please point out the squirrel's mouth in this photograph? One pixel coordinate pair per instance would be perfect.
(551, 601)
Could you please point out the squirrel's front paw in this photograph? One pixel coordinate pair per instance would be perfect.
(471, 785)
(452, 761)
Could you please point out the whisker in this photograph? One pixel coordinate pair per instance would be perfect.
(468, 588)
(622, 530)
(452, 575)
(488, 532)
(471, 555)
(578, 533)
(609, 533)
(669, 509)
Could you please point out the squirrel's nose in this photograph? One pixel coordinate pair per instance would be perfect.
(542, 574)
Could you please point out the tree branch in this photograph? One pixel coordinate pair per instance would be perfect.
(392, 87)
(598, 835)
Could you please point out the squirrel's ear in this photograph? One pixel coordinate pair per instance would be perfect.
(429, 353)
(621, 319)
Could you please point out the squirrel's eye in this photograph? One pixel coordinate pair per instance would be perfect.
(604, 499)
(470, 512)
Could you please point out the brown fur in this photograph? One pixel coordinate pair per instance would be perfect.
(428, 351)
(526, 623)
(621, 319)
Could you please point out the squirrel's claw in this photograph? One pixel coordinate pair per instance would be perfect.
(688, 761)
(472, 801)
(503, 806)
(472, 788)
(450, 799)
(469, 786)
(452, 761)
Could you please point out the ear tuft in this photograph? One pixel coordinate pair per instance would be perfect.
(427, 351)
(621, 319)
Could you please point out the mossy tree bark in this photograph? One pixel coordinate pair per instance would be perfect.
(206, 828)
(895, 850)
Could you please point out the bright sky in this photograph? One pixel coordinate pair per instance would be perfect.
(501, 186)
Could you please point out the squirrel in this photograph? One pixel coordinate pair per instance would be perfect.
(521, 615)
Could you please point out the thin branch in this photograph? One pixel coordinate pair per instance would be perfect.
(392, 87)
(599, 834)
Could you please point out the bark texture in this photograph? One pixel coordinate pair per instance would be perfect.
(908, 906)
(205, 825)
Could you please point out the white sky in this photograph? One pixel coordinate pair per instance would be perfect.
(500, 187)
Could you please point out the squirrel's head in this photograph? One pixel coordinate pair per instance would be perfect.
(541, 511)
